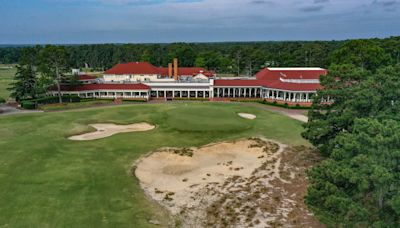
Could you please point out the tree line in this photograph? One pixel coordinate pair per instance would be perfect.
(358, 185)
(225, 58)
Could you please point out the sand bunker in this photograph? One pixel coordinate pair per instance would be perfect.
(224, 183)
(107, 130)
(247, 116)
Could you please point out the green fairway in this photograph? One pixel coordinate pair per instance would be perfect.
(47, 180)
(6, 76)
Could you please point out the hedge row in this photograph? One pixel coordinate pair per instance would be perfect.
(134, 100)
(286, 105)
(34, 103)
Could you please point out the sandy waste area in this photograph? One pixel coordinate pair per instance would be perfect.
(107, 130)
(249, 182)
(247, 116)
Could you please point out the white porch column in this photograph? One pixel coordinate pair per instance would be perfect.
(307, 98)
(284, 96)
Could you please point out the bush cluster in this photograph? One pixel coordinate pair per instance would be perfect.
(34, 103)
(286, 105)
(134, 100)
(2, 100)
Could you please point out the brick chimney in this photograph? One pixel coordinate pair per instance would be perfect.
(170, 70)
(176, 69)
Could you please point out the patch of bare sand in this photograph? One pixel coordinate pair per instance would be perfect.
(299, 117)
(244, 183)
(247, 116)
(107, 130)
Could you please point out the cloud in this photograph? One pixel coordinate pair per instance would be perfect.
(387, 3)
(321, 1)
(313, 8)
(31, 21)
(262, 2)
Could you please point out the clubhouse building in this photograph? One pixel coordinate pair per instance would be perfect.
(141, 80)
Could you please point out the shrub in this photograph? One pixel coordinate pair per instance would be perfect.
(2, 100)
(286, 105)
(28, 105)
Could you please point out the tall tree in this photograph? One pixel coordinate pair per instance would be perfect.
(24, 85)
(25, 79)
(359, 183)
(53, 63)
(365, 54)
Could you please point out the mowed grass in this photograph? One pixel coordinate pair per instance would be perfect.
(47, 180)
(6, 77)
(82, 104)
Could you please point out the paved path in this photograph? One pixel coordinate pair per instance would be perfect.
(6, 110)
(298, 114)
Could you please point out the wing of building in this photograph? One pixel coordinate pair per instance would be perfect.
(142, 80)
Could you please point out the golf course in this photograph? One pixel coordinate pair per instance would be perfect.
(47, 180)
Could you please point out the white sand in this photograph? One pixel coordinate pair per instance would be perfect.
(107, 130)
(299, 117)
(243, 183)
(182, 183)
(247, 116)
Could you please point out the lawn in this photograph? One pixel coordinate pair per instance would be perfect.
(82, 104)
(48, 181)
(6, 76)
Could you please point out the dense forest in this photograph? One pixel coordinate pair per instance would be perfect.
(229, 58)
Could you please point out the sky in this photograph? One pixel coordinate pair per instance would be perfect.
(166, 21)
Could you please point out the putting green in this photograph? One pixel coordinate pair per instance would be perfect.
(47, 180)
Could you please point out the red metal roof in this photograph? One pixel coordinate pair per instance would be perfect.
(90, 87)
(237, 82)
(133, 68)
(272, 79)
(295, 73)
(147, 68)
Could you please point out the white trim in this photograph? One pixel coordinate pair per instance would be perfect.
(294, 68)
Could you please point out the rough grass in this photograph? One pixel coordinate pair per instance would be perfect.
(6, 77)
(47, 180)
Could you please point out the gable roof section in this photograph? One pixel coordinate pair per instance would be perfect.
(237, 82)
(291, 73)
(272, 79)
(133, 68)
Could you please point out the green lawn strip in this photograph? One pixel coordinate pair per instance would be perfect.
(6, 77)
(47, 180)
(82, 104)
